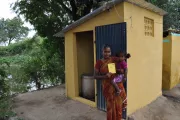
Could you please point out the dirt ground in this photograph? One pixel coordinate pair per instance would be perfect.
(166, 107)
(51, 104)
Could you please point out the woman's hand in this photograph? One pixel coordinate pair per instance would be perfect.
(109, 75)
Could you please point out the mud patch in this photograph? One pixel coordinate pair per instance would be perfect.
(34, 103)
(60, 100)
(17, 102)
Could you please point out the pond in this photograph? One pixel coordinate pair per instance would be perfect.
(26, 87)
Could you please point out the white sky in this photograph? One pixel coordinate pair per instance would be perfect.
(6, 12)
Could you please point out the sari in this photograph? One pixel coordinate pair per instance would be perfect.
(115, 103)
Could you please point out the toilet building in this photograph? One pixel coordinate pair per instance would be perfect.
(133, 26)
(171, 60)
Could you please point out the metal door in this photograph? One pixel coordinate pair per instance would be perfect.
(114, 35)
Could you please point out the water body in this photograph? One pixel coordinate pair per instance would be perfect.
(29, 87)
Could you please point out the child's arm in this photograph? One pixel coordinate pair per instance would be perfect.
(125, 71)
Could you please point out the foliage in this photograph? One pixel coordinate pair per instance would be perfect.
(172, 20)
(31, 62)
(3, 86)
(50, 16)
(42, 66)
(16, 59)
(5, 101)
(12, 30)
(5, 108)
(21, 47)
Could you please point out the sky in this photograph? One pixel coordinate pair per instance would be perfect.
(6, 12)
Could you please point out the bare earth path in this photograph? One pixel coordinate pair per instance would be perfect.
(51, 104)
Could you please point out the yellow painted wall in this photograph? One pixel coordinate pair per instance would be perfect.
(171, 62)
(175, 63)
(70, 64)
(85, 54)
(145, 66)
(167, 48)
(71, 46)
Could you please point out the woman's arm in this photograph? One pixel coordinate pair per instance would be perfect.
(97, 74)
(100, 77)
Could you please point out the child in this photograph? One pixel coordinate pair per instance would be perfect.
(121, 68)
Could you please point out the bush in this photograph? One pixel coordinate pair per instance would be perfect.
(5, 101)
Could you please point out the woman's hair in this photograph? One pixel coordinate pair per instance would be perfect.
(106, 46)
(127, 56)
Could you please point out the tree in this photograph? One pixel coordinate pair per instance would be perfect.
(51, 16)
(12, 30)
(172, 20)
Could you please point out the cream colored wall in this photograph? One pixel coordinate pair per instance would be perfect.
(175, 64)
(70, 46)
(85, 54)
(166, 63)
(145, 66)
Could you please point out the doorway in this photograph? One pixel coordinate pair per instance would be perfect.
(115, 36)
(85, 64)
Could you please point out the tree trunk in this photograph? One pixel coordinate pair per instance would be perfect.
(75, 16)
(88, 8)
(38, 83)
(9, 42)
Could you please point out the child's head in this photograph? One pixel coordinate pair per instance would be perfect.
(123, 56)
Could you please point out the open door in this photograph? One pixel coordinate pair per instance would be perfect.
(114, 35)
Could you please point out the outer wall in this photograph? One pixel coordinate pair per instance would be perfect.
(175, 63)
(145, 66)
(167, 50)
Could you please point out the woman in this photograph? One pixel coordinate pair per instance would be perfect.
(115, 103)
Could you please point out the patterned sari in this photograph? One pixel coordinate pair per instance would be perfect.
(115, 104)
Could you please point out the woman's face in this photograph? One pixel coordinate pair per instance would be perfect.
(107, 52)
